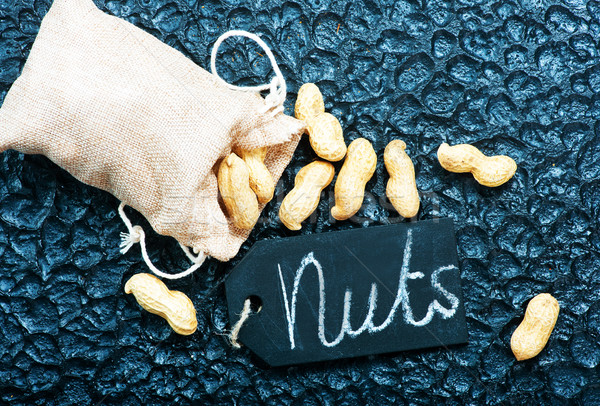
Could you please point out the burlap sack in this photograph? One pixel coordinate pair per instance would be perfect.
(124, 112)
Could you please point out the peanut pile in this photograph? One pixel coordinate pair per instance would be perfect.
(327, 140)
(245, 182)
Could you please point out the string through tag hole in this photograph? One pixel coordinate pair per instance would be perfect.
(252, 305)
(255, 303)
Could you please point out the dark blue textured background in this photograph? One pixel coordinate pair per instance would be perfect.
(520, 78)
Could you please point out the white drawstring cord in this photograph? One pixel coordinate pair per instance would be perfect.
(136, 235)
(277, 88)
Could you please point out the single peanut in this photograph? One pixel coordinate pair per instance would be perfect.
(303, 199)
(239, 199)
(358, 168)
(489, 171)
(530, 338)
(324, 130)
(154, 296)
(261, 180)
(402, 186)
(326, 137)
(309, 102)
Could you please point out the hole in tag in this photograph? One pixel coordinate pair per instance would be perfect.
(255, 303)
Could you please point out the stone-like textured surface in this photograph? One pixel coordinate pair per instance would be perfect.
(514, 77)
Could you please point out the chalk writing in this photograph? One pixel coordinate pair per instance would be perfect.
(402, 298)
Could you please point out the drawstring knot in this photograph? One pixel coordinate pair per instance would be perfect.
(131, 238)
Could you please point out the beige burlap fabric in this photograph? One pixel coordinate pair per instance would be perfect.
(124, 112)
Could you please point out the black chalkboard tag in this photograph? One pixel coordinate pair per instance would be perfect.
(350, 293)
